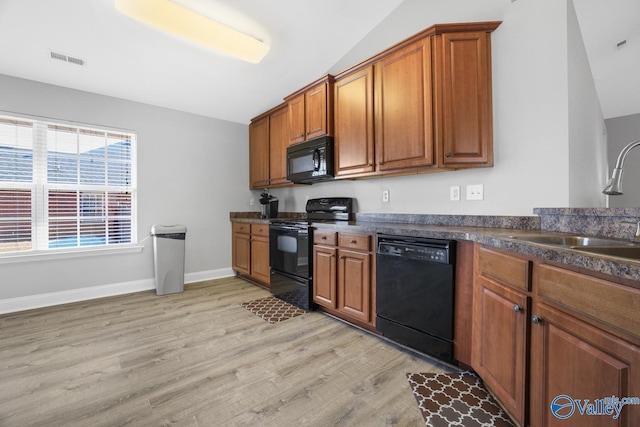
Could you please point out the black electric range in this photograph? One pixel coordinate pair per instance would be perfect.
(291, 249)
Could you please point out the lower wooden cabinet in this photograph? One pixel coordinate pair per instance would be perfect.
(250, 247)
(500, 340)
(342, 275)
(575, 359)
(571, 341)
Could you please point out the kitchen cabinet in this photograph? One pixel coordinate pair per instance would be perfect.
(250, 247)
(268, 142)
(278, 143)
(403, 110)
(259, 153)
(310, 111)
(500, 340)
(353, 111)
(432, 109)
(541, 331)
(343, 277)
(462, 101)
(578, 344)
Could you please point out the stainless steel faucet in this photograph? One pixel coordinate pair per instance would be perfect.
(636, 238)
(614, 187)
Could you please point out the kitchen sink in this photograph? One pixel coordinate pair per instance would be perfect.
(572, 241)
(629, 252)
(594, 245)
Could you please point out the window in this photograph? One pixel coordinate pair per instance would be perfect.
(65, 186)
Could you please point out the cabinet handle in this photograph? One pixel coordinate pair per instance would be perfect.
(353, 242)
(324, 237)
(449, 154)
(341, 256)
(517, 308)
(535, 319)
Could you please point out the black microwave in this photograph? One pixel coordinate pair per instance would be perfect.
(310, 161)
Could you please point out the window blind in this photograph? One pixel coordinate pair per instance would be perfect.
(65, 186)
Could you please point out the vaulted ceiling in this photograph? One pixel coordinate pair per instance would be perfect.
(126, 59)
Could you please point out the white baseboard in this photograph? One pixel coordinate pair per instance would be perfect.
(201, 276)
(29, 302)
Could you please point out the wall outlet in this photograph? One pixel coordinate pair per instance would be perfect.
(454, 192)
(385, 196)
(475, 192)
(252, 202)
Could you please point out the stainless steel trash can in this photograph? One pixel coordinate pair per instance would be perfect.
(168, 257)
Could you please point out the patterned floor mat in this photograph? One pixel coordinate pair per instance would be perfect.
(456, 399)
(272, 309)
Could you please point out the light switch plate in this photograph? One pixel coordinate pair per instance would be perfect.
(454, 192)
(475, 192)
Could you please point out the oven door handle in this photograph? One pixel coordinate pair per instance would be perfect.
(302, 230)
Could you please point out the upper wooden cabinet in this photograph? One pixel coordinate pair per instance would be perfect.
(259, 153)
(268, 141)
(403, 108)
(278, 143)
(423, 104)
(353, 112)
(310, 111)
(463, 106)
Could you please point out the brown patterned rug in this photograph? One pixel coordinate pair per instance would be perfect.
(456, 399)
(272, 309)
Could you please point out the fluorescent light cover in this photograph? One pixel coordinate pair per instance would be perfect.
(189, 25)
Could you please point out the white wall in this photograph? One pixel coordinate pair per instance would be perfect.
(530, 108)
(621, 131)
(587, 131)
(191, 169)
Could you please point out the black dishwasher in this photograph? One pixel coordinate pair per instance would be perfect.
(415, 293)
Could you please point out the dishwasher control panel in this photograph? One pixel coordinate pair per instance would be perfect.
(424, 249)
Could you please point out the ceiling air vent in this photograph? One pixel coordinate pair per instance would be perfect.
(67, 58)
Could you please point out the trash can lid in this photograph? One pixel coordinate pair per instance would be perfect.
(168, 229)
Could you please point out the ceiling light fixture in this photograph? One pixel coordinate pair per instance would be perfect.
(184, 23)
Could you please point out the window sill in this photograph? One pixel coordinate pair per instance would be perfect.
(68, 254)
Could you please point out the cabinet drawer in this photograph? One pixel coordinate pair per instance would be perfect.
(241, 227)
(608, 302)
(260, 230)
(325, 237)
(508, 269)
(355, 241)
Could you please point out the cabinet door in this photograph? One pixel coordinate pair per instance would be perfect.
(278, 142)
(296, 119)
(354, 284)
(572, 358)
(259, 153)
(324, 276)
(465, 108)
(316, 111)
(260, 259)
(241, 253)
(500, 348)
(353, 110)
(403, 108)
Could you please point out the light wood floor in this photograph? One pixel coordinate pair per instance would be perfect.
(198, 359)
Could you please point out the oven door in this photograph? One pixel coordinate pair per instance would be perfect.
(289, 249)
(292, 289)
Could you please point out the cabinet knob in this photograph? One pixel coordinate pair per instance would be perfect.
(535, 319)
(449, 154)
(517, 308)
(324, 237)
(353, 242)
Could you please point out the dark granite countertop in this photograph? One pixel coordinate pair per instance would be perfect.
(493, 231)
